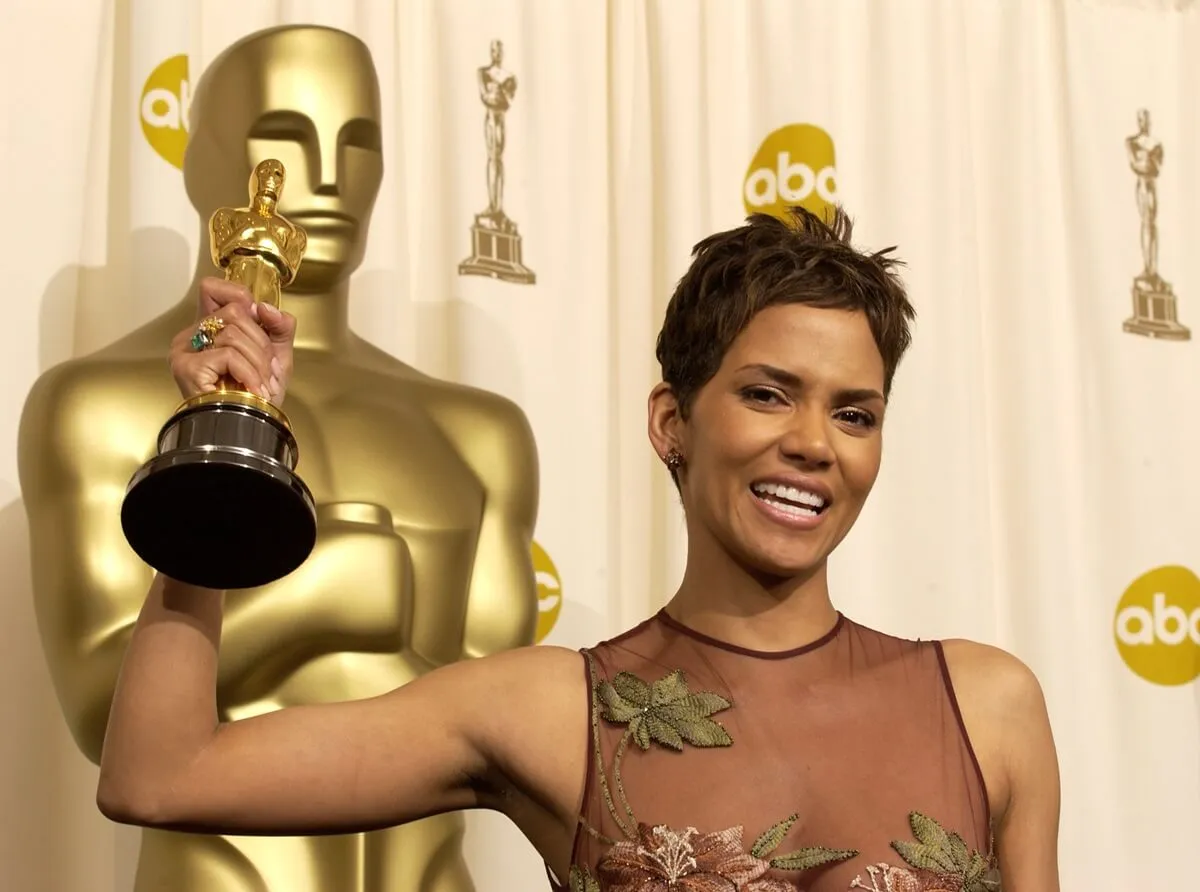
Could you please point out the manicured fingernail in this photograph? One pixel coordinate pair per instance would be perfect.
(269, 310)
(276, 366)
(275, 385)
(254, 310)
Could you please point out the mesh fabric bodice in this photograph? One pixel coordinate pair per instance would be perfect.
(841, 765)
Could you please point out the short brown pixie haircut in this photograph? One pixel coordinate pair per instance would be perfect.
(803, 259)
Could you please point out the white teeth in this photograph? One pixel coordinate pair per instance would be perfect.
(798, 497)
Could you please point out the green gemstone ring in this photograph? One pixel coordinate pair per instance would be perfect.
(206, 333)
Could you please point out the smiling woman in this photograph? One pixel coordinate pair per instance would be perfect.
(785, 438)
(748, 736)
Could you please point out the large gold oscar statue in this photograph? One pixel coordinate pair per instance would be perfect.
(426, 491)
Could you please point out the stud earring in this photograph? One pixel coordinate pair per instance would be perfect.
(674, 460)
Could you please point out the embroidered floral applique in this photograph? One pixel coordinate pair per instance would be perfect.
(658, 858)
(937, 862)
(666, 712)
(667, 860)
(663, 859)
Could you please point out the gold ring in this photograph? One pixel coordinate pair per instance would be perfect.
(206, 332)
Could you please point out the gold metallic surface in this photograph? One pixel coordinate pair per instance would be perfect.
(235, 397)
(426, 490)
(258, 247)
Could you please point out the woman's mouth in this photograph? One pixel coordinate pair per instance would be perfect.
(786, 501)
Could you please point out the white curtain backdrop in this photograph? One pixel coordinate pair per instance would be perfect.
(1039, 459)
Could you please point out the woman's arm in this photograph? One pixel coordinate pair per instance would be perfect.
(1005, 714)
(472, 734)
(450, 740)
(1027, 830)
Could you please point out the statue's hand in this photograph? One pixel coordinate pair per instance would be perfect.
(358, 580)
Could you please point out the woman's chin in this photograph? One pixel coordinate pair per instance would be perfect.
(779, 567)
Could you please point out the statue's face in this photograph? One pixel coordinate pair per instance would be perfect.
(269, 177)
(309, 98)
(497, 52)
(1144, 121)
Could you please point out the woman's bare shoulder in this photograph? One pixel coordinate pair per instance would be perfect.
(1005, 713)
(1002, 677)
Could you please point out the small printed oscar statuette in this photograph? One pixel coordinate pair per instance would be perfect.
(1155, 307)
(495, 241)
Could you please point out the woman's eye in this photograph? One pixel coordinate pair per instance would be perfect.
(761, 395)
(857, 417)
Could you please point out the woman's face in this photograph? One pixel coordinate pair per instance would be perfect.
(783, 445)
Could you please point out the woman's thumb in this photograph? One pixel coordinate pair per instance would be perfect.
(278, 325)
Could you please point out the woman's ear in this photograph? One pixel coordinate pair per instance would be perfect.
(663, 421)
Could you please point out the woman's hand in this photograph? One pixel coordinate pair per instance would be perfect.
(250, 342)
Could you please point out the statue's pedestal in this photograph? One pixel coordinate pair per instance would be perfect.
(1155, 311)
(496, 251)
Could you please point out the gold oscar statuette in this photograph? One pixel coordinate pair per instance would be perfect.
(225, 466)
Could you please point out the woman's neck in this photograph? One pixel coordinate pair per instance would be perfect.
(722, 599)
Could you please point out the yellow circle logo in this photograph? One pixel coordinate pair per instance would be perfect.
(795, 165)
(1157, 626)
(549, 592)
(166, 98)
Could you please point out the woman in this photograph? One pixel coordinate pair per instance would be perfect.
(746, 737)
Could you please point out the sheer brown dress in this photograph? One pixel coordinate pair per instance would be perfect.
(837, 766)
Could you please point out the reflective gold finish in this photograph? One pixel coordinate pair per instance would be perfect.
(241, 239)
(426, 490)
(228, 459)
(236, 398)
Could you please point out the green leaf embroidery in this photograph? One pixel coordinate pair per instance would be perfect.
(947, 854)
(771, 839)
(928, 832)
(925, 857)
(807, 859)
(666, 712)
(582, 880)
(977, 866)
(617, 708)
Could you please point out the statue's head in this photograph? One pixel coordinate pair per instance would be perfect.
(267, 180)
(497, 50)
(1143, 119)
(309, 97)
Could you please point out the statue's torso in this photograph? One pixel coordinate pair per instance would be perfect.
(365, 436)
(234, 230)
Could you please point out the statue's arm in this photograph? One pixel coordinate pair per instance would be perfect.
(494, 438)
(87, 587)
(75, 457)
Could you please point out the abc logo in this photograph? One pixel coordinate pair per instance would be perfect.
(166, 100)
(549, 592)
(795, 165)
(1157, 626)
